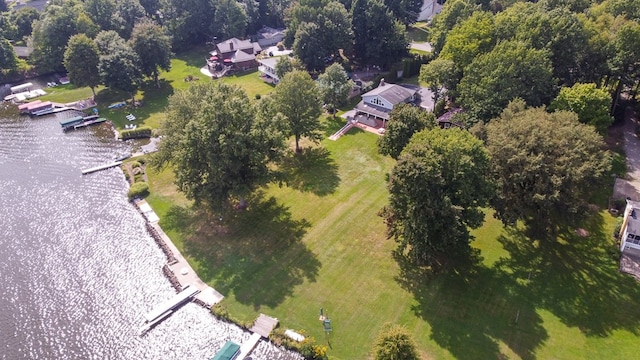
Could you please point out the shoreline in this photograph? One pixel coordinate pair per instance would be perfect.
(177, 270)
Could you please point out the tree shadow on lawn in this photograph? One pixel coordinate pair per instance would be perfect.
(313, 170)
(256, 254)
(577, 278)
(471, 307)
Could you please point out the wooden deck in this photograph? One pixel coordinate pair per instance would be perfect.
(263, 325)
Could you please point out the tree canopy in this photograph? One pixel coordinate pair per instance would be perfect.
(119, 65)
(436, 190)
(545, 166)
(590, 103)
(218, 148)
(153, 47)
(81, 59)
(510, 70)
(298, 99)
(404, 121)
(379, 38)
(318, 29)
(334, 86)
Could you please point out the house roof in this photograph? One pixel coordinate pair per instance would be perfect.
(270, 62)
(373, 110)
(633, 225)
(241, 56)
(268, 32)
(446, 117)
(395, 94)
(23, 51)
(235, 44)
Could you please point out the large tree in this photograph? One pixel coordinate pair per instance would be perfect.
(510, 70)
(436, 191)
(395, 343)
(81, 60)
(119, 65)
(318, 29)
(379, 38)
(8, 58)
(590, 103)
(23, 19)
(298, 99)
(453, 12)
(440, 75)
(52, 32)
(404, 121)
(406, 11)
(470, 38)
(189, 21)
(217, 146)
(153, 47)
(231, 19)
(334, 86)
(545, 166)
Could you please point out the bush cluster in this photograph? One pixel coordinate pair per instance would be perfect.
(139, 189)
(141, 132)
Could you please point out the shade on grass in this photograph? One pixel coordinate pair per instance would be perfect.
(318, 243)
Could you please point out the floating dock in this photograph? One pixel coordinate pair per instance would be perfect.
(90, 122)
(145, 329)
(101, 167)
(179, 299)
(247, 347)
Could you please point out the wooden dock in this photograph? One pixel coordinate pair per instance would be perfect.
(169, 305)
(101, 167)
(263, 325)
(247, 347)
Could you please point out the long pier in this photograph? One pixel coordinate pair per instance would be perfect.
(101, 167)
(169, 305)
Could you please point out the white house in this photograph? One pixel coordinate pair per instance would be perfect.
(267, 67)
(630, 231)
(429, 9)
(378, 103)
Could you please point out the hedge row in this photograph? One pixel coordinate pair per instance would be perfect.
(141, 132)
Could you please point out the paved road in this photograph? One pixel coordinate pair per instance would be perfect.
(425, 46)
(630, 186)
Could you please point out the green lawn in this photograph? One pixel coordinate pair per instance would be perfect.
(317, 242)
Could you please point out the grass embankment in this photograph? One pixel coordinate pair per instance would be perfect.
(319, 243)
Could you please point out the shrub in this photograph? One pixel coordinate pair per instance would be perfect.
(135, 164)
(394, 342)
(139, 189)
(141, 132)
(280, 46)
(258, 96)
(439, 109)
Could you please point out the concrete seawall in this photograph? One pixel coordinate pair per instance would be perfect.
(177, 269)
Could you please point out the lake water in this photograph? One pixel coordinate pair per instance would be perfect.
(78, 267)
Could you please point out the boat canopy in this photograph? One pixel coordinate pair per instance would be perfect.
(228, 352)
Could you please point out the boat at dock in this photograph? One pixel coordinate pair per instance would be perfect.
(146, 327)
(179, 299)
(229, 351)
(71, 121)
